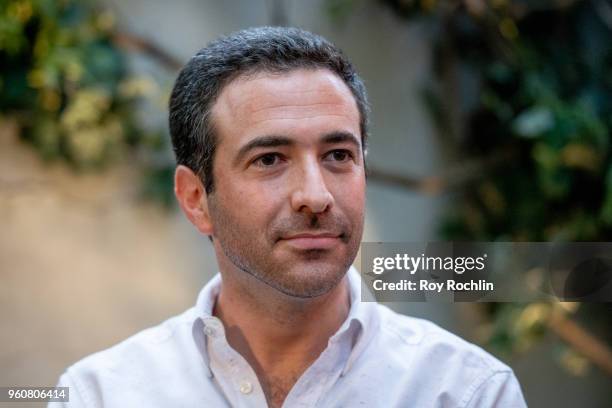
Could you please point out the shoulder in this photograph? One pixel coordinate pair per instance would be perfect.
(158, 367)
(435, 342)
(139, 362)
(417, 351)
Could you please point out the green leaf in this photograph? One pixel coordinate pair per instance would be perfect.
(533, 122)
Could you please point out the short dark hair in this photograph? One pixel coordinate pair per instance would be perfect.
(261, 49)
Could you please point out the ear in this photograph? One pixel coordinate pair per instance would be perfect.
(192, 199)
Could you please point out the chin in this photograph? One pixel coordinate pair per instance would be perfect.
(310, 281)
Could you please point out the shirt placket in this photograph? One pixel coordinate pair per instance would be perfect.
(321, 375)
(231, 371)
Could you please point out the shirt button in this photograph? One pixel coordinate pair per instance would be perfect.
(246, 387)
(209, 331)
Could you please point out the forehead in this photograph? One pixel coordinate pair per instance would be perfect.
(285, 103)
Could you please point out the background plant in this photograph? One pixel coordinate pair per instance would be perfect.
(66, 82)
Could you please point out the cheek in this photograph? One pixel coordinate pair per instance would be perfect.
(253, 204)
(229, 190)
(351, 196)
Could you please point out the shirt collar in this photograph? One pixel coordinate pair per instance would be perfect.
(360, 325)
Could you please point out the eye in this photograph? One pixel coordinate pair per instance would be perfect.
(339, 155)
(267, 160)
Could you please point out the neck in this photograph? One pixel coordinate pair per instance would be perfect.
(279, 335)
(272, 323)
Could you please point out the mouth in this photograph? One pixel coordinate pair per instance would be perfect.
(312, 241)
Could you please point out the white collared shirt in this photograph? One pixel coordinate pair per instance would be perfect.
(377, 358)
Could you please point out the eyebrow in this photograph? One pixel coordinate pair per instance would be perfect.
(263, 141)
(276, 141)
(340, 137)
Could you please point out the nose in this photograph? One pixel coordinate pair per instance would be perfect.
(311, 193)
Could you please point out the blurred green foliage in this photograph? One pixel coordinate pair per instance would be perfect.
(68, 86)
(544, 91)
(540, 87)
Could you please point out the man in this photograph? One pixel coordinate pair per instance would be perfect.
(269, 127)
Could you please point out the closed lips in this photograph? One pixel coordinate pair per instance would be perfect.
(312, 241)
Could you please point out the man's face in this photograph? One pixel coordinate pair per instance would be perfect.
(288, 203)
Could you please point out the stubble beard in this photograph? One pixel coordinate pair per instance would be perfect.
(313, 273)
